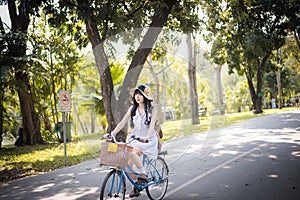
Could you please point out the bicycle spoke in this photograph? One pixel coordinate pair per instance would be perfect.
(113, 186)
(157, 170)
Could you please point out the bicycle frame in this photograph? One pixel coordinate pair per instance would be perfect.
(124, 173)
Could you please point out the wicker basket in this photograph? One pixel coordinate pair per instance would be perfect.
(114, 154)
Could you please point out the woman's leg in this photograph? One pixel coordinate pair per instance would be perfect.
(135, 157)
(136, 160)
(133, 163)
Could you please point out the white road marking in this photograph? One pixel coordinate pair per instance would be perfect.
(176, 189)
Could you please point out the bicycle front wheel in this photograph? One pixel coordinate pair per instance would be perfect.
(113, 186)
(158, 171)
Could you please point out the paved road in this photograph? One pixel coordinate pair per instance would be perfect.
(258, 159)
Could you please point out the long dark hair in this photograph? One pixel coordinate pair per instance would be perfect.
(147, 107)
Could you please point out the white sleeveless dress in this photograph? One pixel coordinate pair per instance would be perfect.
(141, 130)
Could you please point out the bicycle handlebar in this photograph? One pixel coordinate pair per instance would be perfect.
(138, 139)
(133, 137)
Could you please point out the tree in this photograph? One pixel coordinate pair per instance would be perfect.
(192, 54)
(218, 69)
(290, 58)
(43, 62)
(157, 86)
(139, 58)
(20, 12)
(217, 54)
(287, 62)
(105, 19)
(57, 48)
(252, 31)
(237, 97)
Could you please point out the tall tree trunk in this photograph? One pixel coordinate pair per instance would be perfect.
(144, 49)
(258, 102)
(83, 128)
(156, 81)
(2, 31)
(160, 116)
(278, 78)
(251, 89)
(101, 64)
(219, 85)
(192, 79)
(31, 123)
(103, 68)
(41, 111)
(30, 119)
(1, 108)
(297, 36)
(279, 90)
(259, 76)
(54, 105)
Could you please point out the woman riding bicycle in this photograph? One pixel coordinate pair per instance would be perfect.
(144, 122)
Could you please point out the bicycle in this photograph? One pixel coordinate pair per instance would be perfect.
(114, 184)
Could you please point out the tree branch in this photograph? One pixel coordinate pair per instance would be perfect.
(297, 37)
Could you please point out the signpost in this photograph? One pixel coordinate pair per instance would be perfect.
(64, 106)
(64, 101)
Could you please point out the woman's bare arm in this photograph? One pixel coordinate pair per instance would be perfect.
(152, 123)
(123, 122)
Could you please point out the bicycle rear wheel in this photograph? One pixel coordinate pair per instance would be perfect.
(158, 171)
(113, 186)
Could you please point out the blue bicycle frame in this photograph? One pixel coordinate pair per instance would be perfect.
(152, 172)
(123, 172)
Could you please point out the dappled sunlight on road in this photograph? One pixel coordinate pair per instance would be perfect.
(234, 138)
(255, 150)
(273, 176)
(43, 187)
(296, 153)
(80, 192)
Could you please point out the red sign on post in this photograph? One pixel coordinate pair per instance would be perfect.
(64, 101)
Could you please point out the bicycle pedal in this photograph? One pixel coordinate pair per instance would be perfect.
(142, 182)
(143, 179)
(132, 195)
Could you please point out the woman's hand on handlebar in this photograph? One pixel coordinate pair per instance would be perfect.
(140, 139)
(143, 139)
(106, 136)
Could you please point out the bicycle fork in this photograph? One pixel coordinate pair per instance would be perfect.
(119, 184)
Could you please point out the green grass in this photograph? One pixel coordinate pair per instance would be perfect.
(18, 162)
(179, 128)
